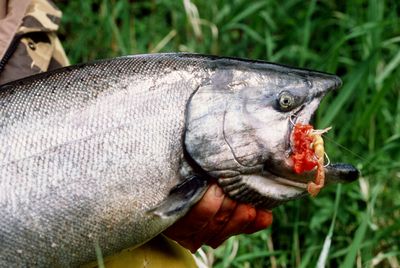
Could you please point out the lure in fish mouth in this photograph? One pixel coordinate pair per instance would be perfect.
(246, 128)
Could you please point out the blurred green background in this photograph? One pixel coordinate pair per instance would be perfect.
(356, 225)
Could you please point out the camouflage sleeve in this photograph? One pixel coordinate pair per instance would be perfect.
(34, 47)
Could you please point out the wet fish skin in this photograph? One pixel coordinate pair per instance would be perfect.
(84, 152)
(87, 151)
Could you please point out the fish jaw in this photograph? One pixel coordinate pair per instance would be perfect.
(268, 190)
(264, 191)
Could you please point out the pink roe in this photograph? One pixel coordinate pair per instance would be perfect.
(303, 154)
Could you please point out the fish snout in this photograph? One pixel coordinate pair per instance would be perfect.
(341, 173)
(323, 83)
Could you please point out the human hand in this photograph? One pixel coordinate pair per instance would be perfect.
(214, 219)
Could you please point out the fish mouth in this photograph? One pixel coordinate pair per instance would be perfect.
(277, 182)
(282, 169)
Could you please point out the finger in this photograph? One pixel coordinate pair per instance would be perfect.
(242, 216)
(223, 215)
(217, 223)
(262, 221)
(199, 216)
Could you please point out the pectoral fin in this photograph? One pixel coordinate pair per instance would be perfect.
(181, 197)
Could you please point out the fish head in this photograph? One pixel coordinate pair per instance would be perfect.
(239, 129)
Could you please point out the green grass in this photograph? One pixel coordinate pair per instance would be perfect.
(359, 224)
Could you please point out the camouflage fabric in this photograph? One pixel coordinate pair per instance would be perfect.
(34, 47)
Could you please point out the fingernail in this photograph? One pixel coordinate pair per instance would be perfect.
(218, 191)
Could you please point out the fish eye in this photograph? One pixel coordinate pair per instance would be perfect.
(286, 101)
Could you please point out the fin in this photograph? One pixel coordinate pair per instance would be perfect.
(181, 197)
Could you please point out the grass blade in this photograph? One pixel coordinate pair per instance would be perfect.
(328, 240)
(355, 246)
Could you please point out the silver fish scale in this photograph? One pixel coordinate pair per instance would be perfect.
(77, 149)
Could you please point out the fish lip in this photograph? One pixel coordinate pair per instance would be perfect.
(285, 177)
(334, 173)
(290, 183)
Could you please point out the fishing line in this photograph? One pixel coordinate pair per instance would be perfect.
(345, 148)
(323, 131)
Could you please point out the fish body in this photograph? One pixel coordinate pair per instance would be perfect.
(113, 152)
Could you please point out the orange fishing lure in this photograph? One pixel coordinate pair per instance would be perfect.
(308, 153)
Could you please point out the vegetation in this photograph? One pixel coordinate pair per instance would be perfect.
(356, 225)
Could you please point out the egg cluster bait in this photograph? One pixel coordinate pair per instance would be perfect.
(308, 154)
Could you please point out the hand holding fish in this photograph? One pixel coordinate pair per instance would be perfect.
(215, 218)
